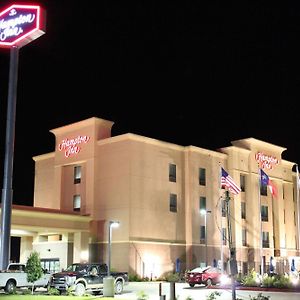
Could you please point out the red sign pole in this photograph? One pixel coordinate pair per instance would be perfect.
(19, 25)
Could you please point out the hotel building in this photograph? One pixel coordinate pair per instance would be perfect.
(156, 191)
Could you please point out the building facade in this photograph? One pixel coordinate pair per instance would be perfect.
(156, 191)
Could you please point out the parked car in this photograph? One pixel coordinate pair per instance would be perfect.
(15, 276)
(208, 276)
(86, 277)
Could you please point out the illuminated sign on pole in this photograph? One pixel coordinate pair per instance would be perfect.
(21, 24)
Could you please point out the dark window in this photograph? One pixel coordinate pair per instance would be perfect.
(202, 234)
(243, 210)
(244, 237)
(172, 173)
(243, 182)
(224, 238)
(77, 174)
(223, 208)
(263, 190)
(202, 176)
(76, 202)
(173, 202)
(264, 213)
(202, 204)
(265, 238)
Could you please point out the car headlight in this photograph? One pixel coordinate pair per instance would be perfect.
(70, 279)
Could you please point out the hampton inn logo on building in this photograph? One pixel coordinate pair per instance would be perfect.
(73, 146)
(266, 161)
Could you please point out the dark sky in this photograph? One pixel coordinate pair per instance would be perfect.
(200, 73)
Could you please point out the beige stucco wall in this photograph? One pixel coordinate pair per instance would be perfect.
(125, 178)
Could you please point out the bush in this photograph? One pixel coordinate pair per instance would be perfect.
(34, 268)
(282, 281)
(268, 281)
(172, 277)
(53, 292)
(260, 296)
(135, 277)
(251, 279)
(141, 295)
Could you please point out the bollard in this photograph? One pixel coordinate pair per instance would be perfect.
(108, 286)
(172, 290)
(161, 297)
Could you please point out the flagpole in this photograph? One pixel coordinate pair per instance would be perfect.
(260, 220)
(298, 205)
(221, 230)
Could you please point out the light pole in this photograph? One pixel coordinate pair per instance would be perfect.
(112, 224)
(204, 212)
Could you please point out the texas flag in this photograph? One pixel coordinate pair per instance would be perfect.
(265, 180)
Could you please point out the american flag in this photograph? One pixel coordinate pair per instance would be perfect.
(228, 182)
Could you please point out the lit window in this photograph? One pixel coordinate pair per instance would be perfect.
(77, 174)
(173, 202)
(76, 202)
(202, 204)
(265, 238)
(172, 173)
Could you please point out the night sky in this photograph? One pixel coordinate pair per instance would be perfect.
(200, 73)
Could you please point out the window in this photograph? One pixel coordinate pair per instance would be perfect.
(244, 237)
(202, 176)
(265, 238)
(224, 238)
(202, 204)
(202, 234)
(243, 182)
(173, 202)
(223, 208)
(243, 210)
(77, 174)
(264, 213)
(263, 190)
(172, 173)
(50, 264)
(76, 202)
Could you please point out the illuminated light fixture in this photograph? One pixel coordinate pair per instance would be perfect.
(112, 224)
(19, 232)
(21, 24)
(204, 213)
(84, 255)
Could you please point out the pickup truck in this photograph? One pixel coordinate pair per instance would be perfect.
(81, 278)
(15, 276)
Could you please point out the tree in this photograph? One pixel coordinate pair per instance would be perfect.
(33, 268)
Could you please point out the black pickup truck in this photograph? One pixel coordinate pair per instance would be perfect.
(80, 278)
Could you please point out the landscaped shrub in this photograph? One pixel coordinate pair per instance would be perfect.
(268, 281)
(53, 291)
(251, 279)
(259, 296)
(134, 277)
(282, 281)
(172, 277)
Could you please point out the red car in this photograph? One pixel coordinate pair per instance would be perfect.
(208, 276)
